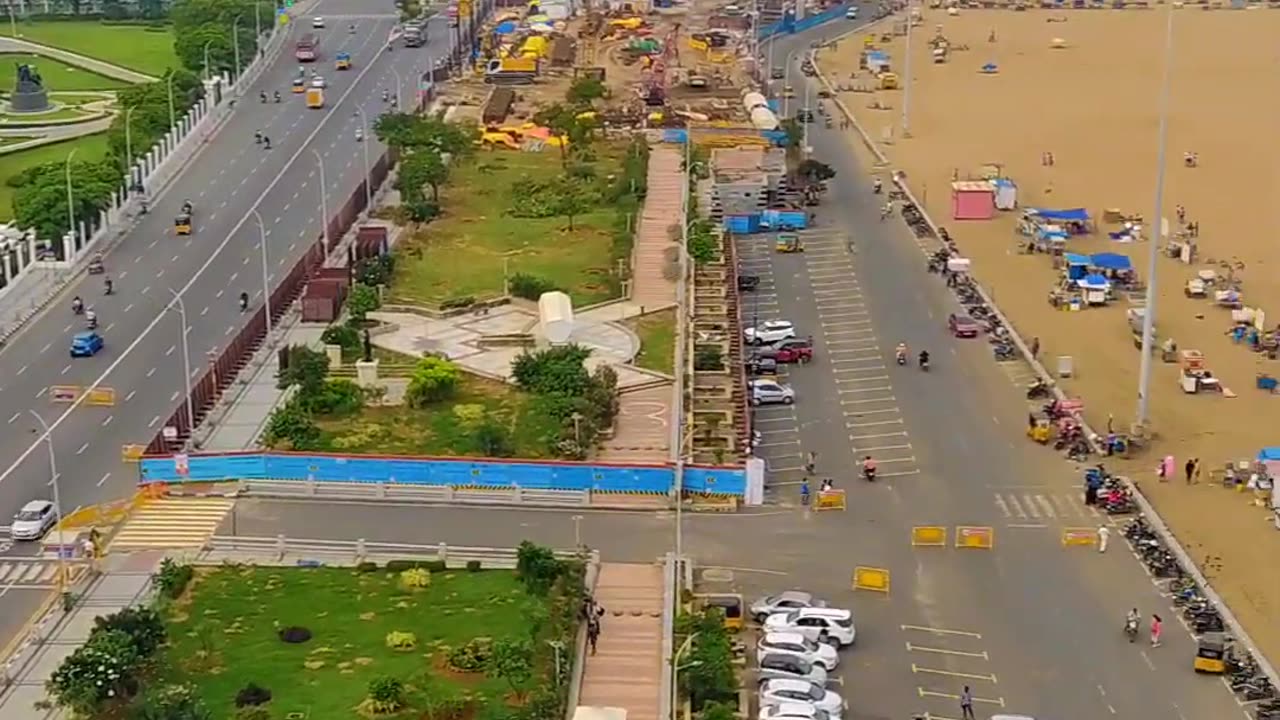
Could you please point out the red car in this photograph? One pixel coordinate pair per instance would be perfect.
(963, 326)
(792, 350)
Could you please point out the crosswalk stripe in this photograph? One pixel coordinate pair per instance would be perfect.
(173, 523)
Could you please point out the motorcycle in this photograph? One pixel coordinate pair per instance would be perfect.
(924, 363)
(77, 307)
(877, 187)
(1038, 389)
(1131, 629)
(91, 322)
(244, 302)
(276, 96)
(869, 474)
(262, 96)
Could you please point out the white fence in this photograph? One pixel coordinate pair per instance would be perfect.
(349, 552)
(426, 494)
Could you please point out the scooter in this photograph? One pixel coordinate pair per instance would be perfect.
(869, 474)
(924, 363)
(1131, 629)
(877, 187)
(902, 358)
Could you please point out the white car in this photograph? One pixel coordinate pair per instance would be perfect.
(769, 331)
(795, 711)
(34, 520)
(797, 644)
(783, 601)
(830, 625)
(851, 13)
(318, 82)
(791, 667)
(770, 392)
(317, 23)
(773, 692)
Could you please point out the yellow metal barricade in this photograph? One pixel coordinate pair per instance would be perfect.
(64, 393)
(1079, 536)
(102, 397)
(929, 536)
(132, 453)
(979, 538)
(871, 578)
(831, 500)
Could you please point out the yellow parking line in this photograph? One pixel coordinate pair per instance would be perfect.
(941, 631)
(953, 696)
(971, 676)
(940, 651)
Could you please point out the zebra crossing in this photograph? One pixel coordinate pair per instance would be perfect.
(36, 574)
(172, 523)
(1037, 509)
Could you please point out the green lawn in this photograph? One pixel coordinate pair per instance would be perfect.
(7, 140)
(56, 74)
(71, 98)
(62, 114)
(223, 636)
(657, 333)
(90, 147)
(136, 47)
(461, 253)
(438, 429)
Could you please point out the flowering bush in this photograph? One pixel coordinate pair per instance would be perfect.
(415, 578)
(99, 671)
(404, 641)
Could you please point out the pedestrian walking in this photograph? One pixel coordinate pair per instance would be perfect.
(810, 462)
(1190, 468)
(1156, 626)
(1104, 534)
(804, 492)
(966, 704)
(593, 633)
(1035, 347)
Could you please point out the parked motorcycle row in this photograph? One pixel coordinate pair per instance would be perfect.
(966, 291)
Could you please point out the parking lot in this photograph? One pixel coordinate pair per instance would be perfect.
(847, 390)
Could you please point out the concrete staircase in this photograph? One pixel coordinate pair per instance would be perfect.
(626, 671)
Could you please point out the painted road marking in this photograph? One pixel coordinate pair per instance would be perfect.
(941, 651)
(949, 673)
(953, 696)
(940, 631)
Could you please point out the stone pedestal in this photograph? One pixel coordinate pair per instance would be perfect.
(367, 373)
(335, 355)
(29, 100)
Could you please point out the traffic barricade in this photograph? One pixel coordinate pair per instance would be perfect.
(1079, 536)
(978, 538)
(830, 500)
(132, 453)
(929, 536)
(102, 397)
(871, 578)
(64, 393)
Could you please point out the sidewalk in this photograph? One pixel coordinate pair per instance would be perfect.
(626, 669)
(125, 580)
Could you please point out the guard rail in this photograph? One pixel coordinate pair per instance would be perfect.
(349, 552)
(1153, 518)
(427, 494)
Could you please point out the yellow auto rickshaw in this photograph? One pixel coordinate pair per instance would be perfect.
(343, 61)
(1039, 429)
(182, 224)
(299, 85)
(731, 605)
(788, 243)
(1211, 653)
(788, 92)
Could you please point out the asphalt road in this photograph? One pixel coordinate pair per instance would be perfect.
(227, 181)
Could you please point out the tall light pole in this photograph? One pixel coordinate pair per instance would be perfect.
(324, 200)
(128, 148)
(257, 26)
(206, 60)
(173, 116)
(235, 43)
(57, 499)
(396, 73)
(676, 667)
(906, 81)
(71, 208)
(266, 284)
(808, 115)
(368, 183)
(186, 359)
(1157, 220)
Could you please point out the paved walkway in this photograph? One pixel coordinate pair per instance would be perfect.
(662, 208)
(626, 670)
(642, 433)
(16, 45)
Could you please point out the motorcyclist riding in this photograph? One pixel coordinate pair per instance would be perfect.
(244, 301)
(91, 319)
(262, 96)
(869, 468)
(276, 95)
(302, 71)
(877, 185)
(385, 94)
(266, 142)
(109, 284)
(1131, 624)
(352, 29)
(359, 134)
(924, 359)
(257, 137)
(901, 353)
(77, 305)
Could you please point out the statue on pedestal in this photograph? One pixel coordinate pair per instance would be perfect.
(368, 347)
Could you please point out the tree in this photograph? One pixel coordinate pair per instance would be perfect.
(702, 244)
(537, 567)
(422, 167)
(585, 90)
(559, 370)
(41, 198)
(102, 669)
(511, 660)
(307, 369)
(710, 674)
(406, 130)
(362, 301)
(814, 171)
(149, 119)
(290, 427)
(433, 379)
(200, 22)
(562, 121)
(171, 702)
(572, 197)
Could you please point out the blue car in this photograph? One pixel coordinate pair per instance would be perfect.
(86, 344)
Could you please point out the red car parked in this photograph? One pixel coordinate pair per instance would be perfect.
(792, 350)
(963, 326)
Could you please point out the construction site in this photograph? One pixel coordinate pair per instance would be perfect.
(673, 67)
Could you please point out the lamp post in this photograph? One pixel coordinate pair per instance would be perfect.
(173, 116)
(206, 60)
(71, 208)
(1153, 251)
(128, 148)
(257, 26)
(906, 86)
(266, 285)
(368, 183)
(324, 200)
(186, 359)
(57, 499)
(676, 667)
(808, 115)
(235, 43)
(396, 73)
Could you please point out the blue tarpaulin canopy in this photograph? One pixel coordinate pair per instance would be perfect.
(1094, 281)
(505, 28)
(1051, 234)
(1074, 259)
(1269, 453)
(1111, 261)
(1072, 215)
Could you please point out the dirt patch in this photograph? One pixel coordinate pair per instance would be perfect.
(1093, 103)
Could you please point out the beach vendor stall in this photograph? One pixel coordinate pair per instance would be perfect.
(972, 200)
(1051, 239)
(1076, 265)
(1075, 221)
(1095, 289)
(1118, 269)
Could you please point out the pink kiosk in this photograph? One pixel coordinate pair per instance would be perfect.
(972, 200)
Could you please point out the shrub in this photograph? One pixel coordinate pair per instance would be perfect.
(294, 634)
(252, 694)
(386, 695)
(366, 567)
(339, 396)
(556, 370)
(172, 578)
(433, 380)
(471, 657)
(434, 566)
(537, 567)
(415, 578)
(375, 271)
(102, 669)
(530, 287)
(708, 357)
(290, 427)
(171, 702)
(362, 301)
(342, 335)
(142, 625)
(455, 303)
(399, 566)
(473, 566)
(402, 641)
(252, 712)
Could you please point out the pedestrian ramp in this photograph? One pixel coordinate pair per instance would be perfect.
(171, 523)
(36, 574)
(626, 669)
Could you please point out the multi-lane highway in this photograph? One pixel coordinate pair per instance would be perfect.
(228, 181)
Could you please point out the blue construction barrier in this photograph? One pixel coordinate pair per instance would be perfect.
(456, 472)
(788, 25)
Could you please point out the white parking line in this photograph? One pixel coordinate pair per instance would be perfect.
(853, 313)
(862, 413)
(867, 402)
(846, 323)
(873, 424)
(850, 391)
(879, 448)
(877, 435)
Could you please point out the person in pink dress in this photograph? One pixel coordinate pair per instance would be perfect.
(1156, 626)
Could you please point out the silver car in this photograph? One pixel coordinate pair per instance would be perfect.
(795, 711)
(783, 601)
(773, 692)
(34, 520)
(786, 666)
(797, 644)
(771, 392)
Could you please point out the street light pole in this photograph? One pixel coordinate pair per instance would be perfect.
(324, 200)
(173, 116)
(368, 182)
(57, 499)
(396, 73)
(128, 148)
(206, 60)
(906, 81)
(71, 208)
(675, 672)
(266, 285)
(186, 360)
(1157, 220)
(235, 44)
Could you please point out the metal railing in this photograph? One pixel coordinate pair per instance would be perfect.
(350, 552)
(403, 492)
